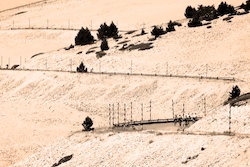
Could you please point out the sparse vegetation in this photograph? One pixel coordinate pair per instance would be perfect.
(84, 37)
(195, 22)
(224, 8)
(246, 6)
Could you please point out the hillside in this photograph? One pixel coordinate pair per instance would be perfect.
(42, 111)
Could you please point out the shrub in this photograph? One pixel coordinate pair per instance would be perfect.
(87, 123)
(246, 6)
(143, 32)
(207, 13)
(106, 31)
(157, 31)
(190, 12)
(81, 68)
(224, 8)
(84, 37)
(235, 92)
(195, 22)
(104, 45)
(170, 26)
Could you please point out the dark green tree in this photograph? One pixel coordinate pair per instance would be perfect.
(84, 37)
(104, 45)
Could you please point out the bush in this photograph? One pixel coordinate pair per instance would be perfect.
(106, 31)
(190, 12)
(87, 123)
(84, 37)
(157, 31)
(81, 68)
(235, 92)
(170, 27)
(195, 22)
(207, 13)
(104, 45)
(224, 8)
(246, 6)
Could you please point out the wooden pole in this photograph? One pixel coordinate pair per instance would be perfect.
(131, 111)
(150, 108)
(124, 113)
(113, 114)
(142, 115)
(131, 67)
(1, 61)
(109, 116)
(166, 68)
(205, 108)
(229, 118)
(20, 62)
(9, 63)
(118, 113)
(47, 23)
(173, 107)
(183, 111)
(206, 70)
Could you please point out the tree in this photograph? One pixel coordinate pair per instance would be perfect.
(87, 124)
(84, 37)
(82, 68)
(224, 8)
(104, 45)
(106, 31)
(235, 92)
(170, 27)
(190, 12)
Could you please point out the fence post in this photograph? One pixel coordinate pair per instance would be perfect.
(229, 118)
(20, 62)
(131, 111)
(118, 113)
(142, 115)
(124, 113)
(1, 61)
(205, 108)
(173, 107)
(131, 67)
(183, 111)
(109, 116)
(113, 114)
(166, 68)
(9, 63)
(150, 108)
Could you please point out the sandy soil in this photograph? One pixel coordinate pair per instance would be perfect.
(41, 112)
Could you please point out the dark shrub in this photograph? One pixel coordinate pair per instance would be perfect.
(157, 31)
(224, 8)
(170, 26)
(190, 12)
(87, 123)
(143, 32)
(104, 45)
(81, 68)
(235, 92)
(195, 22)
(207, 13)
(84, 37)
(106, 31)
(246, 6)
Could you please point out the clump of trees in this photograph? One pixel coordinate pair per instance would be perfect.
(207, 13)
(246, 6)
(82, 68)
(235, 92)
(106, 31)
(84, 37)
(224, 8)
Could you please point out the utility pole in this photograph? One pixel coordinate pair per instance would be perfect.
(109, 115)
(131, 67)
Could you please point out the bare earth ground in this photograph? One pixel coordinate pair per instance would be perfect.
(41, 111)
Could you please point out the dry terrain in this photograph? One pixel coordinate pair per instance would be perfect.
(44, 102)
